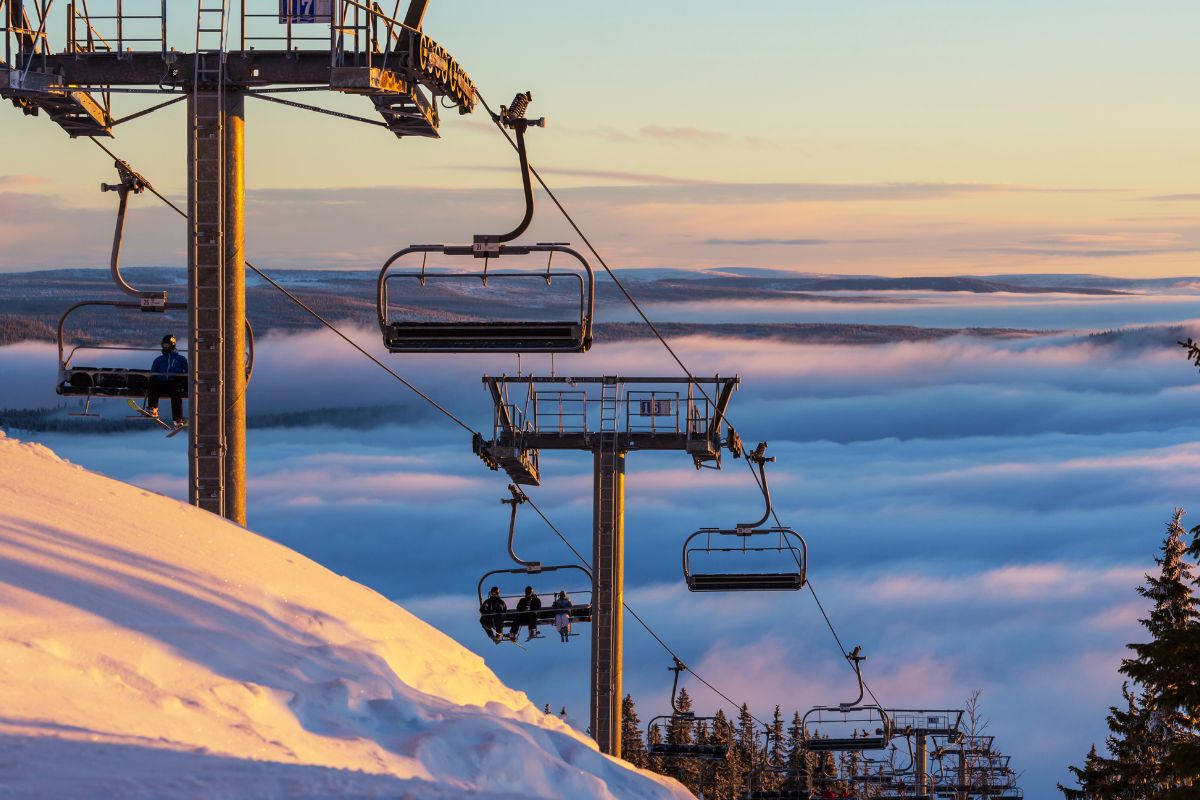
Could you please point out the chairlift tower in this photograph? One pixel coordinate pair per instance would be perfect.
(241, 49)
(630, 414)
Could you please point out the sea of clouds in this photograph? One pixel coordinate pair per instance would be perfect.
(978, 511)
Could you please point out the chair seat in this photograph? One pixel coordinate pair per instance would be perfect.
(745, 582)
(111, 382)
(707, 751)
(504, 337)
(846, 745)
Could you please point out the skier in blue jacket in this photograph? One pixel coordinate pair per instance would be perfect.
(169, 378)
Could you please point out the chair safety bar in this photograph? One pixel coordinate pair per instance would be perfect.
(488, 336)
(789, 545)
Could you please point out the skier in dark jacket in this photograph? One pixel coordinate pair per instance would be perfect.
(527, 608)
(169, 378)
(491, 616)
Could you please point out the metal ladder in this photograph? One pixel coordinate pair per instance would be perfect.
(609, 395)
(207, 293)
(607, 569)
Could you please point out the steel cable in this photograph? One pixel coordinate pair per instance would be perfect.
(448, 413)
(654, 329)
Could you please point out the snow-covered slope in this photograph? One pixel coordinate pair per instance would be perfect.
(149, 649)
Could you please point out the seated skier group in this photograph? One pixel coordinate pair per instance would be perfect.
(493, 608)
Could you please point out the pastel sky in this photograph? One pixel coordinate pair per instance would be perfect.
(926, 137)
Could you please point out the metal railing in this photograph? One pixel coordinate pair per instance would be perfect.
(641, 412)
(560, 411)
(26, 36)
(297, 30)
(120, 26)
(356, 33)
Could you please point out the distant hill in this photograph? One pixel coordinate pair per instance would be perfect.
(33, 301)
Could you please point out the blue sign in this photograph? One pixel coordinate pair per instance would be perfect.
(301, 12)
(657, 408)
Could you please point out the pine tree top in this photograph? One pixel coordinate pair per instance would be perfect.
(1175, 607)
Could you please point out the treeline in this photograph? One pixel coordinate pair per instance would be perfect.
(15, 328)
(1152, 751)
(758, 759)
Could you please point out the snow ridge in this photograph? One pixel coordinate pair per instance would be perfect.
(150, 649)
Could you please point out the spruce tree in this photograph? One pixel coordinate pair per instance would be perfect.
(633, 747)
(747, 744)
(1092, 779)
(654, 737)
(797, 755)
(681, 731)
(1152, 747)
(778, 755)
(1157, 666)
(725, 780)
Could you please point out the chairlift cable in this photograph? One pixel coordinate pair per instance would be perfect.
(634, 614)
(813, 592)
(408, 384)
(467, 427)
(658, 334)
(591, 248)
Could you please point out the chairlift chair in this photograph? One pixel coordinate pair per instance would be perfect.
(78, 380)
(573, 335)
(578, 612)
(699, 751)
(877, 729)
(75, 380)
(791, 778)
(785, 542)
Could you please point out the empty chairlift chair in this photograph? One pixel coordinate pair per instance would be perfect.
(401, 335)
(720, 546)
(678, 724)
(768, 781)
(563, 333)
(848, 727)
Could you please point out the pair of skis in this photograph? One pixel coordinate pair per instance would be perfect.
(171, 429)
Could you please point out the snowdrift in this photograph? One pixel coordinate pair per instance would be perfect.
(149, 649)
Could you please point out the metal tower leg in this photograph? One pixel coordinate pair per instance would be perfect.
(216, 302)
(608, 566)
(921, 763)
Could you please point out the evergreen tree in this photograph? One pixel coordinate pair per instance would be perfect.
(1090, 778)
(1157, 666)
(1153, 746)
(724, 779)
(654, 738)
(778, 755)
(746, 744)
(797, 755)
(633, 747)
(1185, 757)
(681, 731)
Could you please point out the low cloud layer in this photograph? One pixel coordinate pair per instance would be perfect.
(977, 511)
